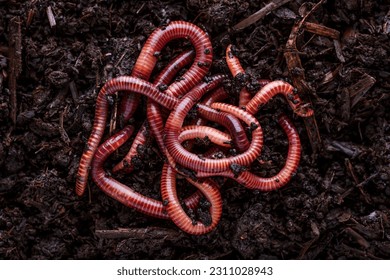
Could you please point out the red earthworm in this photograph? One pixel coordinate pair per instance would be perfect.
(231, 122)
(245, 96)
(156, 123)
(214, 135)
(218, 95)
(171, 70)
(233, 125)
(175, 210)
(236, 69)
(152, 48)
(120, 83)
(154, 117)
(165, 76)
(193, 161)
(123, 193)
(215, 96)
(233, 62)
(252, 181)
(278, 87)
(126, 164)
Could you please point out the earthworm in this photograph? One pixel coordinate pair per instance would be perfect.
(237, 70)
(171, 70)
(278, 87)
(175, 210)
(220, 94)
(170, 104)
(214, 135)
(154, 116)
(120, 83)
(215, 96)
(123, 193)
(245, 96)
(252, 181)
(165, 76)
(233, 62)
(193, 161)
(140, 140)
(152, 48)
(232, 123)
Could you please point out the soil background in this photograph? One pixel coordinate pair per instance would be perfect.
(336, 207)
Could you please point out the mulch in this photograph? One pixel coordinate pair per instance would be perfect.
(54, 57)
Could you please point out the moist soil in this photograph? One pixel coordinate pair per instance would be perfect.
(337, 206)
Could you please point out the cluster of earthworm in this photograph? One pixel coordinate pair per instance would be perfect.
(170, 99)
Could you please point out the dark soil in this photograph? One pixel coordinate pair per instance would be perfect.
(336, 207)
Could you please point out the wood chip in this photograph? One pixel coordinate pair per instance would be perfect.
(357, 237)
(50, 16)
(358, 90)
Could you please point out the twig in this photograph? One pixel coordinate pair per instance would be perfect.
(321, 30)
(140, 233)
(273, 5)
(368, 179)
(315, 7)
(297, 74)
(354, 177)
(15, 62)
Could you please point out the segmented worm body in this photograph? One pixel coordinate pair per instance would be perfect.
(149, 54)
(154, 111)
(238, 71)
(121, 192)
(252, 181)
(125, 83)
(193, 161)
(177, 213)
(216, 96)
(234, 131)
(232, 124)
(278, 87)
(214, 135)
